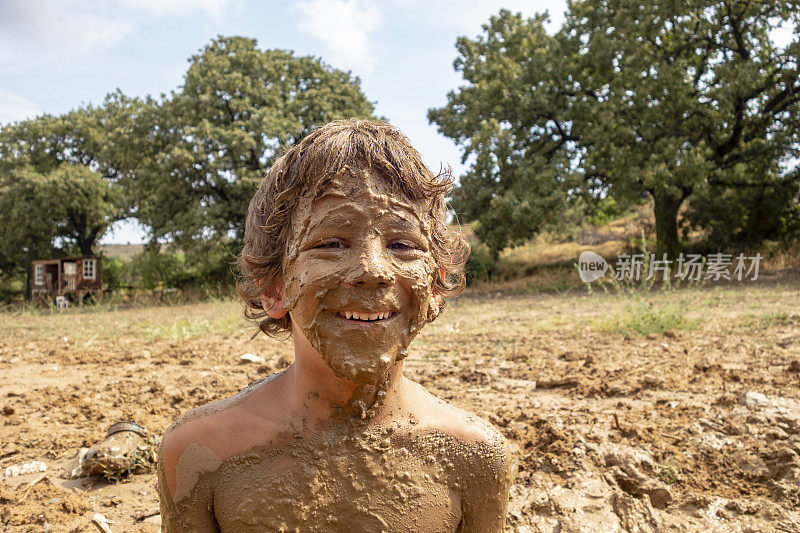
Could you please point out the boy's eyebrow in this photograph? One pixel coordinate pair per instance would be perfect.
(344, 219)
(405, 223)
(336, 219)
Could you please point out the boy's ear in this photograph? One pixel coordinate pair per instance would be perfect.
(436, 301)
(442, 273)
(272, 301)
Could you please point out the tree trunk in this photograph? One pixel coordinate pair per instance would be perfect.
(28, 286)
(85, 247)
(666, 213)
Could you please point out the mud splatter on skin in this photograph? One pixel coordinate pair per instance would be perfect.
(194, 462)
(394, 458)
(392, 472)
(333, 266)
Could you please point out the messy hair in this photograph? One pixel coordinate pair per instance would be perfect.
(305, 169)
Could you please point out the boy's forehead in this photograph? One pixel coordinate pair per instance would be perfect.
(363, 191)
(366, 182)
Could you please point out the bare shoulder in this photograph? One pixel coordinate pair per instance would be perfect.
(482, 461)
(196, 433)
(208, 434)
(473, 439)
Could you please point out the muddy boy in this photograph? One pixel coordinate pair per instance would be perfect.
(345, 249)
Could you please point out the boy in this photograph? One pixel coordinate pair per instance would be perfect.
(346, 248)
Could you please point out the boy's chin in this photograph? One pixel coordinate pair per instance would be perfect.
(364, 366)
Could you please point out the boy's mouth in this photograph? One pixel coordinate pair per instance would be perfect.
(359, 316)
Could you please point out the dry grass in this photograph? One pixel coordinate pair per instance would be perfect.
(785, 258)
(511, 309)
(90, 324)
(538, 253)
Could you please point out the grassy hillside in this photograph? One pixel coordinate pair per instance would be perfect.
(121, 251)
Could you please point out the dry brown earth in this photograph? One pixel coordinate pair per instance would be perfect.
(615, 430)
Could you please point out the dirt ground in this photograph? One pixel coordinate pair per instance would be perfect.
(668, 411)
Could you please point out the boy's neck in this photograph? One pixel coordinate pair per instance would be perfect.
(317, 391)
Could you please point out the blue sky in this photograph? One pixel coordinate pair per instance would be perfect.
(55, 56)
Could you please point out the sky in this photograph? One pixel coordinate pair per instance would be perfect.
(56, 56)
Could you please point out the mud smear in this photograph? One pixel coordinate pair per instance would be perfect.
(374, 466)
(322, 283)
(351, 475)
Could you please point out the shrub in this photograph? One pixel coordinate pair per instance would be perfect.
(481, 265)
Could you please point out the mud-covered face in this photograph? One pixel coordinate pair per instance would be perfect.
(358, 275)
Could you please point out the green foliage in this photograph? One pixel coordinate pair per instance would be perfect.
(607, 211)
(64, 210)
(519, 179)
(643, 315)
(154, 269)
(746, 217)
(753, 322)
(629, 99)
(88, 204)
(481, 264)
(27, 220)
(116, 273)
(210, 143)
(157, 269)
(58, 187)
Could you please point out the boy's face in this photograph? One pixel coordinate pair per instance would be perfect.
(358, 275)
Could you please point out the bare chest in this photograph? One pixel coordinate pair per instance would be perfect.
(358, 485)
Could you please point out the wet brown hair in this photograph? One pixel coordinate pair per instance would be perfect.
(306, 169)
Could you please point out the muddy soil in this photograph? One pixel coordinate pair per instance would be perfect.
(686, 430)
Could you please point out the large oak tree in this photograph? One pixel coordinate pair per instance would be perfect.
(214, 138)
(63, 211)
(659, 99)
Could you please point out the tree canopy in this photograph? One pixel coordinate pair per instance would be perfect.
(185, 164)
(213, 139)
(67, 208)
(656, 99)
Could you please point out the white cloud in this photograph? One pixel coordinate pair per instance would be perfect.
(33, 33)
(467, 16)
(345, 27)
(212, 8)
(14, 107)
(50, 31)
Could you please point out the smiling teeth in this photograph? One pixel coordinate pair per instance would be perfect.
(366, 316)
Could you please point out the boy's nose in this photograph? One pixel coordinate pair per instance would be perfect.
(373, 268)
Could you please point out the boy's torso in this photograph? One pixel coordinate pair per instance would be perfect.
(407, 475)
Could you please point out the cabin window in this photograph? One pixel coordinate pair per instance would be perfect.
(38, 274)
(70, 269)
(88, 268)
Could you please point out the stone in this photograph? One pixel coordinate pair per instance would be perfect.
(776, 433)
(251, 358)
(752, 399)
(25, 468)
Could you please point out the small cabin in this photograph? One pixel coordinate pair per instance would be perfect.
(71, 277)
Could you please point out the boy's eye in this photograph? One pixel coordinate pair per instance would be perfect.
(330, 245)
(402, 246)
